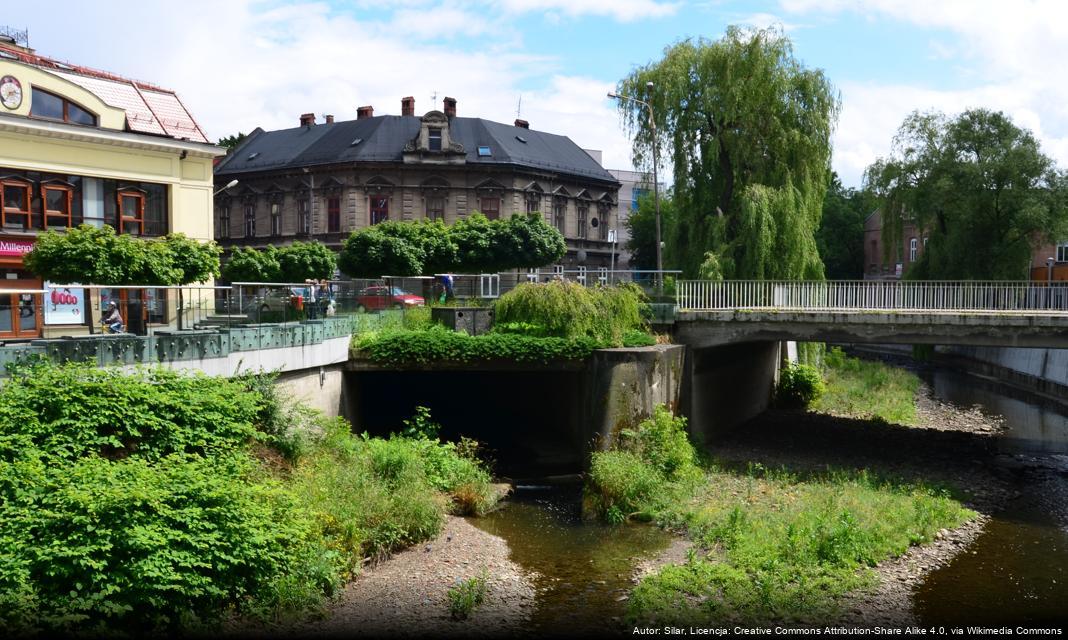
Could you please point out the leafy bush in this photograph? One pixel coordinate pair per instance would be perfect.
(567, 309)
(439, 344)
(637, 338)
(644, 467)
(295, 262)
(466, 595)
(799, 386)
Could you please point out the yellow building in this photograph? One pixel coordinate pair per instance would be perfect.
(77, 146)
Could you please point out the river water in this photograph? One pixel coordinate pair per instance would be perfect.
(581, 569)
(1016, 572)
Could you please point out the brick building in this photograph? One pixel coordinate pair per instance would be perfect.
(323, 180)
(882, 265)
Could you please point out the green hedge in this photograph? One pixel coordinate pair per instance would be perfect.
(439, 344)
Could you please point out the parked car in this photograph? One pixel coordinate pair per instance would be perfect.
(382, 297)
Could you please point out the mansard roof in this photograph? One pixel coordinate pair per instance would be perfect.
(381, 139)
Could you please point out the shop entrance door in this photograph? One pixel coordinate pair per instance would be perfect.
(20, 313)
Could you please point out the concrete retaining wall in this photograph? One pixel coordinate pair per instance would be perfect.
(1042, 370)
(729, 385)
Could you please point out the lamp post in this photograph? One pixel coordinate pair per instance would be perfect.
(656, 181)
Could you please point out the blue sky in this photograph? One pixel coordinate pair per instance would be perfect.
(239, 64)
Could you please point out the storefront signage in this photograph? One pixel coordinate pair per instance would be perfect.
(64, 305)
(15, 248)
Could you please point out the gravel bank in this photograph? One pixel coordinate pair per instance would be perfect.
(406, 595)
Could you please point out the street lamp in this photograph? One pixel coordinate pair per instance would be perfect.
(229, 185)
(656, 181)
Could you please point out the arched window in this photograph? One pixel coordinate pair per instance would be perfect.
(53, 107)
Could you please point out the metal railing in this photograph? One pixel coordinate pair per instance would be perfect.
(873, 295)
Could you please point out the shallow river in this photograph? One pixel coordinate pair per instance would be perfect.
(1017, 570)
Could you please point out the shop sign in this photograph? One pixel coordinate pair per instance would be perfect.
(15, 248)
(64, 305)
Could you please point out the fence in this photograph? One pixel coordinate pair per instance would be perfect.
(872, 295)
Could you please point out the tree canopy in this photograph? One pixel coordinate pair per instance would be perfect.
(641, 226)
(231, 142)
(748, 128)
(840, 238)
(474, 244)
(98, 255)
(294, 262)
(978, 186)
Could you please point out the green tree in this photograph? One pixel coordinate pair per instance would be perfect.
(197, 261)
(978, 186)
(641, 226)
(525, 241)
(301, 261)
(251, 265)
(748, 128)
(389, 248)
(840, 238)
(231, 142)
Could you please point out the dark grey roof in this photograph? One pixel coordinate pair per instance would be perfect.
(382, 139)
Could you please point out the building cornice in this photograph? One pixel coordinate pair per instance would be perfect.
(77, 133)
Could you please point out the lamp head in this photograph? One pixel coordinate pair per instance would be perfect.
(613, 94)
(231, 184)
(649, 85)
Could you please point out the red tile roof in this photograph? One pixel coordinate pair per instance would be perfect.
(149, 108)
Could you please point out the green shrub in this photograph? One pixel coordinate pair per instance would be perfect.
(466, 595)
(567, 309)
(620, 484)
(439, 344)
(638, 338)
(799, 386)
(143, 544)
(661, 442)
(76, 410)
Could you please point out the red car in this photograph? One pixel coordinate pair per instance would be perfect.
(382, 297)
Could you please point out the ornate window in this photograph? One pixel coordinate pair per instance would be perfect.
(56, 201)
(560, 214)
(131, 211)
(333, 215)
(583, 219)
(15, 203)
(379, 209)
(604, 219)
(434, 139)
(303, 215)
(435, 208)
(224, 221)
(490, 207)
(250, 219)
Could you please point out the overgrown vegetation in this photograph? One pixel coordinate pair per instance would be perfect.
(534, 323)
(799, 386)
(155, 501)
(770, 545)
(867, 389)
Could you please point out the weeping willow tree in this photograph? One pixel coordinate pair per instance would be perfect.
(748, 131)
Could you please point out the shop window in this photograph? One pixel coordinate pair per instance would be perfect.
(333, 215)
(15, 203)
(131, 212)
(57, 205)
(379, 209)
(435, 208)
(491, 207)
(53, 107)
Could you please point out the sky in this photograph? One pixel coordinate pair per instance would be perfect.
(241, 64)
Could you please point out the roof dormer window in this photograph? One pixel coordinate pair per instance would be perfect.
(434, 139)
(53, 107)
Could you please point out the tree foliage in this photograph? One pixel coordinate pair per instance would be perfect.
(232, 142)
(978, 186)
(247, 264)
(641, 227)
(98, 255)
(302, 261)
(840, 238)
(474, 244)
(748, 128)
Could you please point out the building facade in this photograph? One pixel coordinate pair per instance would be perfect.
(324, 180)
(78, 146)
(880, 264)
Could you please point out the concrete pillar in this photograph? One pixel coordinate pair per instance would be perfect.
(729, 385)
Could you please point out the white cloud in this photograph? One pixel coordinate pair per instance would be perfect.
(625, 10)
(1013, 53)
(765, 20)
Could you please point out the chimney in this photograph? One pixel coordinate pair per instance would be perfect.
(329, 119)
(450, 107)
(522, 124)
(307, 119)
(365, 112)
(408, 106)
